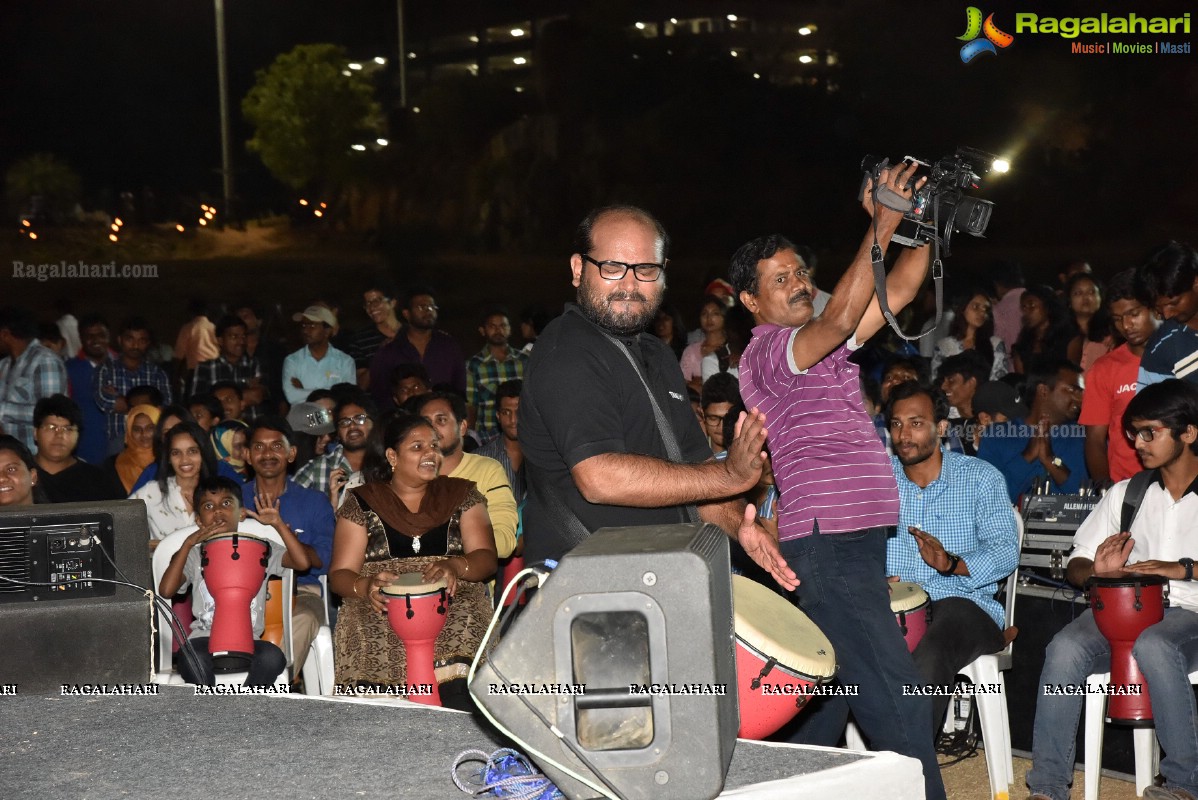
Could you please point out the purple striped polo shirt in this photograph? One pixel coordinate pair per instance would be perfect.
(828, 462)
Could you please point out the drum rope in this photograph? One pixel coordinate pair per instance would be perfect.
(505, 773)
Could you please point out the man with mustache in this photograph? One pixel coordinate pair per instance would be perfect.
(838, 498)
(306, 511)
(595, 454)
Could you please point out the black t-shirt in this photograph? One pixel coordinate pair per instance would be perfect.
(80, 483)
(582, 398)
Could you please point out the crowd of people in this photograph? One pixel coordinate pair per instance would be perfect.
(832, 459)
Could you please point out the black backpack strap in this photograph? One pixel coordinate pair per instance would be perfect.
(1136, 487)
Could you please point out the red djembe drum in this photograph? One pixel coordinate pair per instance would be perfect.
(781, 656)
(912, 610)
(233, 566)
(416, 610)
(1124, 607)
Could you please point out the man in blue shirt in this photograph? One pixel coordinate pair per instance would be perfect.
(1170, 277)
(93, 432)
(957, 538)
(1048, 442)
(306, 511)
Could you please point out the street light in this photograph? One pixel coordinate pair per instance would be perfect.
(223, 77)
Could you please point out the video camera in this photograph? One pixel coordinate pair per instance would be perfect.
(940, 206)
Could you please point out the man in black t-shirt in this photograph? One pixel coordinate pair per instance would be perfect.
(64, 478)
(594, 452)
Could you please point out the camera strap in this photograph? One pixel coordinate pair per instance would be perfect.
(879, 265)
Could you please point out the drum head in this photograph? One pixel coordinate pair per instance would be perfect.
(412, 583)
(772, 625)
(1130, 579)
(241, 537)
(906, 596)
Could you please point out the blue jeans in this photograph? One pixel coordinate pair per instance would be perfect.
(1166, 653)
(842, 588)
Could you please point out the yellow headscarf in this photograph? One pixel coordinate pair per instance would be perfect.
(134, 458)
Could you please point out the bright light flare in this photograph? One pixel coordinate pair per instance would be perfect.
(1001, 165)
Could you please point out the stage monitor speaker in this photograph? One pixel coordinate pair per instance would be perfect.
(627, 650)
(58, 625)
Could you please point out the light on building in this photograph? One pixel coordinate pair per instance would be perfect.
(114, 227)
(118, 222)
(359, 147)
(520, 60)
(202, 221)
(473, 40)
(318, 213)
(805, 59)
(26, 223)
(734, 53)
(640, 26)
(324, 205)
(673, 20)
(1001, 165)
(732, 18)
(32, 235)
(517, 32)
(354, 65)
(380, 60)
(415, 109)
(382, 142)
(519, 90)
(112, 237)
(804, 31)
(411, 56)
(179, 227)
(303, 202)
(346, 73)
(757, 75)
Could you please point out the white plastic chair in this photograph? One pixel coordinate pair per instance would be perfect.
(992, 706)
(318, 669)
(1144, 745)
(161, 560)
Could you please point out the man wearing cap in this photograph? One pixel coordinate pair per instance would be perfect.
(270, 450)
(997, 401)
(316, 365)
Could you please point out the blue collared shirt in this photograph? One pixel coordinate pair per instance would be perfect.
(966, 508)
(1003, 444)
(309, 515)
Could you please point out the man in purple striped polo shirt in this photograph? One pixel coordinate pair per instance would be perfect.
(839, 500)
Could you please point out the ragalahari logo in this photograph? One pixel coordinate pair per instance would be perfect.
(974, 27)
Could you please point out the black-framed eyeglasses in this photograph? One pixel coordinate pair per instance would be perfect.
(1145, 434)
(357, 419)
(616, 270)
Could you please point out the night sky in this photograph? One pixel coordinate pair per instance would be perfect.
(126, 93)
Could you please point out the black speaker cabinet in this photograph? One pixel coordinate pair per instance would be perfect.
(58, 625)
(628, 651)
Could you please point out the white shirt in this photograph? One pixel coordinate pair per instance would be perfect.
(164, 514)
(1163, 530)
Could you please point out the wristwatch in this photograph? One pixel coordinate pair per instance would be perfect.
(1058, 462)
(953, 561)
(1188, 563)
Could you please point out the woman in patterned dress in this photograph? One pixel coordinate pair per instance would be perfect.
(408, 518)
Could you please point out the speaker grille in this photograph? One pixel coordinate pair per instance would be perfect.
(14, 559)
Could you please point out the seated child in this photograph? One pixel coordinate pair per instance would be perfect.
(218, 510)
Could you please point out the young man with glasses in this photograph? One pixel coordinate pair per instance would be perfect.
(340, 468)
(419, 342)
(379, 301)
(64, 478)
(1162, 423)
(594, 392)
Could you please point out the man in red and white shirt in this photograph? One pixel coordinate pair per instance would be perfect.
(1111, 384)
